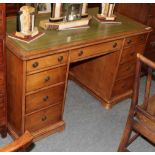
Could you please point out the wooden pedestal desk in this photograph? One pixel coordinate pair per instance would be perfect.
(101, 59)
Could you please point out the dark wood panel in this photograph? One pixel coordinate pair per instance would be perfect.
(2, 20)
(92, 5)
(137, 11)
(144, 13)
(3, 115)
(12, 8)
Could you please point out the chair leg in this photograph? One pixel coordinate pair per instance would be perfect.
(4, 132)
(126, 135)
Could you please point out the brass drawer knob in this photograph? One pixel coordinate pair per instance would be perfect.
(44, 118)
(45, 98)
(114, 45)
(35, 64)
(47, 79)
(129, 41)
(80, 53)
(60, 58)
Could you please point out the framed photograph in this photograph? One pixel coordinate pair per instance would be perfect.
(43, 7)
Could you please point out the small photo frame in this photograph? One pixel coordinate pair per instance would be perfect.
(43, 7)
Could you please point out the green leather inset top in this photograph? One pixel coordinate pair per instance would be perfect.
(54, 39)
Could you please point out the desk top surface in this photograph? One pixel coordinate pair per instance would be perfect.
(63, 40)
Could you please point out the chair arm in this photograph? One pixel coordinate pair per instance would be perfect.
(20, 143)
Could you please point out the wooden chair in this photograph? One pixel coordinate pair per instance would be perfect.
(141, 118)
(20, 144)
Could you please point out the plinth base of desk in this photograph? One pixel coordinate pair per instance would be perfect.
(57, 127)
(114, 101)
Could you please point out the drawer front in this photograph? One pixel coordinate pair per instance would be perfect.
(122, 86)
(43, 118)
(47, 61)
(44, 98)
(95, 49)
(126, 70)
(129, 54)
(42, 79)
(135, 39)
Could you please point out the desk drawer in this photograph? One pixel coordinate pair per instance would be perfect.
(135, 39)
(95, 49)
(129, 54)
(44, 98)
(43, 118)
(47, 61)
(126, 70)
(122, 86)
(42, 79)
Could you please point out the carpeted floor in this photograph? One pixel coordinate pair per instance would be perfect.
(89, 127)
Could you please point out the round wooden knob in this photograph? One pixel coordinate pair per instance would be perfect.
(44, 118)
(129, 41)
(45, 98)
(80, 53)
(114, 45)
(35, 64)
(60, 58)
(47, 79)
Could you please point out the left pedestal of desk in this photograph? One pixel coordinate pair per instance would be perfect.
(36, 91)
(3, 115)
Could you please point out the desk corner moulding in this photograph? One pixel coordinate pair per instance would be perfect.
(38, 72)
